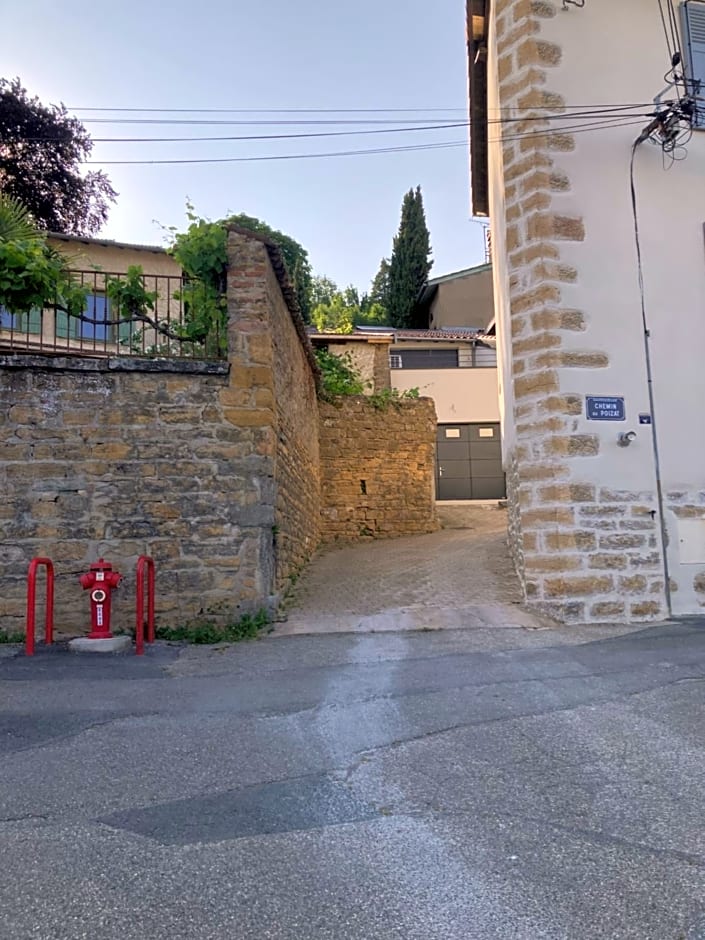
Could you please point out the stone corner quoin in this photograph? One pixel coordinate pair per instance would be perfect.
(584, 552)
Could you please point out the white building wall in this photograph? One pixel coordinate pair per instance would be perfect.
(593, 533)
(671, 209)
(500, 269)
(461, 395)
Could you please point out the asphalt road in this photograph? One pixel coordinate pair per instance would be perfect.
(426, 786)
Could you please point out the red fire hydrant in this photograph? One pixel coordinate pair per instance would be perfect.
(102, 580)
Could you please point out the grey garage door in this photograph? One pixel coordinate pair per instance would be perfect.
(469, 464)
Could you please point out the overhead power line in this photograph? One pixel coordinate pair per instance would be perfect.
(601, 115)
(290, 156)
(274, 110)
(575, 129)
(312, 134)
(572, 129)
(463, 110)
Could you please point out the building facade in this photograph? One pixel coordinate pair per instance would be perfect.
(94, 262)
(462, 298)
(458, 370)
(592, 176)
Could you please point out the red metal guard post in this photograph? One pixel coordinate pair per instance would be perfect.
(31, 604)
(144, 561)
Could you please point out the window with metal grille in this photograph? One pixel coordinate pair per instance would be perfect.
(21, 322)
(428, 358)
(394, 361)
(485, 357)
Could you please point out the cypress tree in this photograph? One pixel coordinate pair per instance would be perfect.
(410, 262)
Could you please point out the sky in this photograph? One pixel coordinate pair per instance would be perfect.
(266, 56)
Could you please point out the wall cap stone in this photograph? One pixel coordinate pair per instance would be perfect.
(51, 363)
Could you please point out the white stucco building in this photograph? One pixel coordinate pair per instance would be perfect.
(560, 92)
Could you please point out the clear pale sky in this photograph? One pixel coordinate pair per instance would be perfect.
(267, 55)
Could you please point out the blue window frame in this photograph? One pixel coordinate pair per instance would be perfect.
(98, 310)
(21, 322)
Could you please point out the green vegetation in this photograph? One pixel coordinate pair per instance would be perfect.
(31, 273)
(391, 396)
(202, 252)
(411, 262)
(338, 375)
(202, 631)
(337, 311)
(11, 637)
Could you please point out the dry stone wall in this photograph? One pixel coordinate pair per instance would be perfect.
(96, 462)
(276, 389)
(377, 469)
(212, 468)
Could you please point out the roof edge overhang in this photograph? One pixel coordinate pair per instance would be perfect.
(478, 22)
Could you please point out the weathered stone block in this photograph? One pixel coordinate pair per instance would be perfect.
(578, 586)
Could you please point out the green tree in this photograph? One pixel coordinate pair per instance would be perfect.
(323, 289)
(372, 314)
(411, 261)
(379, 292)
(41, 152)
(335, 316)
(32, 274)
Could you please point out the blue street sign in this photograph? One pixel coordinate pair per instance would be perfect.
(604, 408)
(644, 419)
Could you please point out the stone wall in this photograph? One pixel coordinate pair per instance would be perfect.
(368, 357)
(96, 462)
(212, 468)
(584, 552)
(276, 390)
(377, 469)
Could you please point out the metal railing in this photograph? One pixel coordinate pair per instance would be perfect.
(144, 561)
(146, 315)
(34, 565)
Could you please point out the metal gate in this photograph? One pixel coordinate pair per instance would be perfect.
(469, 464)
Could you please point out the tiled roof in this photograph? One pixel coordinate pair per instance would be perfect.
(104, 242)
(453, 335)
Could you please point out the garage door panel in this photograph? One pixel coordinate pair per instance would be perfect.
(483, 432)
(456, 489)
(469, 460)
(454, 469)
(455, 451)
(489, 488)
(453, 432)
(486, 451)
(485, 468)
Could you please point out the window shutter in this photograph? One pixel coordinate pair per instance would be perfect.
(693, 19)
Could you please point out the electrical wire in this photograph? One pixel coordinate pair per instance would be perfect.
(586, 109)
(312, 134)
(288, 156)
(649, 372)
(580, 107)
(670, 49)
(675, 34)
(603, 115)
(576, 129)
(610, 121)
(274, 110)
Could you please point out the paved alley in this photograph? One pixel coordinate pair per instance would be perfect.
(459, 577)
